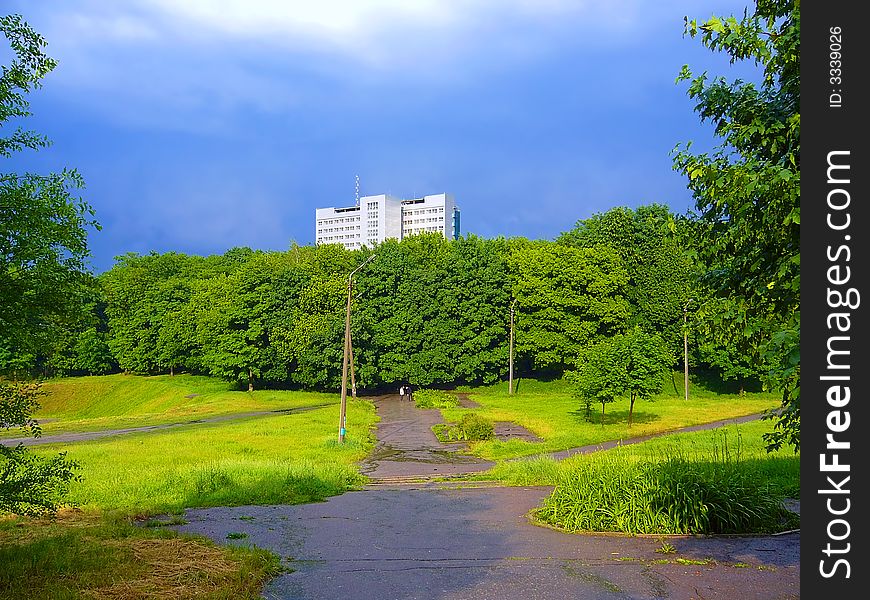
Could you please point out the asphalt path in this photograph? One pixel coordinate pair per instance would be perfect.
(408, 537)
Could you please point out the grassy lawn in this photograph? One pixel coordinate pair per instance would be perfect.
(119, 401)
(781, 468)
(282, 459)
(548, 410)
(96, 551)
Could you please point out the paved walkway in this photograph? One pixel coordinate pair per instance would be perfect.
(427, 541)
(407, 448)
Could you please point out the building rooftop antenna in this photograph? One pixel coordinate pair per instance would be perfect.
(357, 189)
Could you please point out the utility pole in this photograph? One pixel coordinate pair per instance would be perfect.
(352, 377)
(342, 420)
(511, 360)
(342, 423)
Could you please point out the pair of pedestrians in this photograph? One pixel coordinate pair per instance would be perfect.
(405, 391)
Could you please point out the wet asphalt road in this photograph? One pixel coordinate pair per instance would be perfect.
(408, 448)
(427, 541)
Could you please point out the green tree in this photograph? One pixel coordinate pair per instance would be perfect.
(43, 226)
(82, 352)
(151, 329)
(232, 322)
(633, 364)
(567, 298)
(306, 318)
(730, 342)
(43, 248)
(747, 191)
(600, 375)
(648, 360)
(652, 245)
(434, 311)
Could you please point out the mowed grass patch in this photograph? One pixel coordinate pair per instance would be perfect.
(549, 411)
(79, 555)
(284, 459)
(119, 401)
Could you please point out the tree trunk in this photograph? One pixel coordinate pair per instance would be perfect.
(250, 380)
(602, 414)
(172, 371)
(631, 409)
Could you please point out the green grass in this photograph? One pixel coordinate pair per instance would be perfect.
(716, 481)
(121, 401)
(97, 552)
(78, 555)
(673, 493)
(435, 399)
(781, 468)
(548, 410)
(471, 427)
(282, 459)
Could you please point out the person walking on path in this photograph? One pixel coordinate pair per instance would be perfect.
(408, 393)
(401, 392)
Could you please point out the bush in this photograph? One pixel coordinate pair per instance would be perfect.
(471, 428)
(476, 427)
(435, 399)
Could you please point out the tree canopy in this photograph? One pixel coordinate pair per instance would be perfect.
(747, 192)
(631, 364)
(43, 275)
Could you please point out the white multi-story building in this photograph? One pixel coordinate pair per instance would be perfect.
(435, 214)
(378, 218)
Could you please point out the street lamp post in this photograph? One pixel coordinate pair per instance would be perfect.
(342, 421)
(511, 359)
(352, 376)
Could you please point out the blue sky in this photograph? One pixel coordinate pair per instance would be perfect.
(204, 124)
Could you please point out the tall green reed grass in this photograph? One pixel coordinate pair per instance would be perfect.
(673, 493)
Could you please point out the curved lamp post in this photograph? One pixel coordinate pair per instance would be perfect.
(342, 421)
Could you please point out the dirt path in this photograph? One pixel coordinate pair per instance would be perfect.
(84, 436)
(428, 541)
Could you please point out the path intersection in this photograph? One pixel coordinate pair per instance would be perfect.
(407, 537)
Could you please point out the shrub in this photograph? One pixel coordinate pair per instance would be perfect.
(471, 428)
(435, 399)
(711, 497)
(476, 427)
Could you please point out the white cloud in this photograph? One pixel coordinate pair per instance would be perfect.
(186, 64)
(380, 33)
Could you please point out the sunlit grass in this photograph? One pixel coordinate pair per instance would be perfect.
(283, 459)
(713, 481)
(781, 468)
(548, 410)
(97, 552)
(675, 489)
(120, 401)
